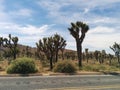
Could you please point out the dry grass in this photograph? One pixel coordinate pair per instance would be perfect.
(39, 66)
(4, 64)
(96, 66)
(87, 67)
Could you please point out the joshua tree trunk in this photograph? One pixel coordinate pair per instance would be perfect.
(79, 53)
(14, 53)
(51, 63)
(56, 56)
(14, 56)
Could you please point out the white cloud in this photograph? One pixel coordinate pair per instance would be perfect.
(101, 41)
(21, 12)
(31, 30)
(28, 29)
(102, 37)
(102, 20)
(102, 30)
(29, 39)
(52, 6)
(86, 10)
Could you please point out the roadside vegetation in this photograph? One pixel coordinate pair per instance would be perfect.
(50, 55)
(22, 65)
(66, 66)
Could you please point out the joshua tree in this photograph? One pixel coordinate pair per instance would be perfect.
(60, 44)
(28, 51)
(96, 53)
(103, 56)
(12, 44)
(1, 43)
(116, 49)
(48, 48)
(110, 57)
(75, 30)
(87, 54)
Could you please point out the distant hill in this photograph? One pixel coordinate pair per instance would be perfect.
(23, 47)
(31, 49)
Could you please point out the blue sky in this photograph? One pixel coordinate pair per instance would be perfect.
(32, 20)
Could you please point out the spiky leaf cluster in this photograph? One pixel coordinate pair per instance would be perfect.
(77, 28)
(116, 48)
(59, 41)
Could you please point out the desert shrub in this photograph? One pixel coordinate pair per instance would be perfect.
(22, 66)
(65, 66)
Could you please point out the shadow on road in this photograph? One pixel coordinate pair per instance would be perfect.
(111, 73)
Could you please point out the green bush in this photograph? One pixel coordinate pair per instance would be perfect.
(65, 67)
(22, 66)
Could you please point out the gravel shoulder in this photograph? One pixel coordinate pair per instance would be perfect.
(3, 74)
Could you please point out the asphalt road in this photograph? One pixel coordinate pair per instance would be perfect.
(88, 82)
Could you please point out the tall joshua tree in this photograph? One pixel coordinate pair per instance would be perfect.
(75, 30)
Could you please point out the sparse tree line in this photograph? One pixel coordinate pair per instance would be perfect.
(52, 48)
(93, 57)
(98, 56)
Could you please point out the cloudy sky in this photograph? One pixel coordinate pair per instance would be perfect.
(32, 20)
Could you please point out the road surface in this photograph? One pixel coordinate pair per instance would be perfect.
(88, 82)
